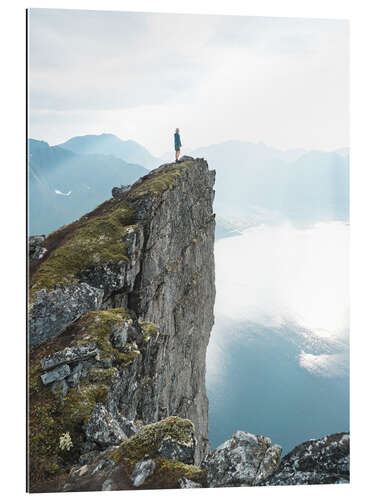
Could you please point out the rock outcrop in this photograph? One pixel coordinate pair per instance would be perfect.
(36, 248)
(121, 309)
(318, 461)
(143, 461)
(243, 460)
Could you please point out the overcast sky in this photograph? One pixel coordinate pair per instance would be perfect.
(284, 82)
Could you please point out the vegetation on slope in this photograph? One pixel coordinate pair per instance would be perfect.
(98, 240)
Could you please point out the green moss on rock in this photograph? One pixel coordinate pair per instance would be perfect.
(50, 415)
(148, 329)
(147, 443)
(148, 440)
(159, 181)
(79, 402)
(98, 326)
(99, 240)
(172, 471)
(102, 375)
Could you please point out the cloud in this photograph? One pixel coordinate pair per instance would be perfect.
(283, 81)
(105, 60)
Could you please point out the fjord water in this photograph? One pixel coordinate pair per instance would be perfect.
(278, 358)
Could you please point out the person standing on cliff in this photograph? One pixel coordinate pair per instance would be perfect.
(177, 143)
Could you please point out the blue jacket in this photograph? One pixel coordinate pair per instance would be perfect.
(177, 140)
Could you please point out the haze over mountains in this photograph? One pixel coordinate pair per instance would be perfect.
(254, 183)
(109, 144)
(64, 185)
(303, 187)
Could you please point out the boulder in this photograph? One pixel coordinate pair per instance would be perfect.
(36, 248)
(58, 373)
(53, 310)
(103, 429)
(69, 355)
(171, 438)
(243, 460)
(118, 191)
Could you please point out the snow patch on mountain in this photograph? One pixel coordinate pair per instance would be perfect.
(63, 194)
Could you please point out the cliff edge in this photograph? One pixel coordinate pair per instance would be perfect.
(120, 315)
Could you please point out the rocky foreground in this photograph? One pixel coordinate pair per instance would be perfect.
(120, 314)
(318, 461)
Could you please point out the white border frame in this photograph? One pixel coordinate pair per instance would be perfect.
(12, 197)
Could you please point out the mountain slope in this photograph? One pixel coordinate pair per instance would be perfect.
(64, 185)
(42, 157)
(109, 144)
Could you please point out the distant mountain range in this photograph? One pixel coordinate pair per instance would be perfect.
(64, 185)
(303, 187)
(253, 181)
(109, 144)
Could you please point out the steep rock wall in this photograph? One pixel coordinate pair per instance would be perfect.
(147, 252)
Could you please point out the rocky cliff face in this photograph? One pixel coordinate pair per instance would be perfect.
(121, 309)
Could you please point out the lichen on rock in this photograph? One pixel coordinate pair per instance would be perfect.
(243, 460)
(150, 439)
(318, 461)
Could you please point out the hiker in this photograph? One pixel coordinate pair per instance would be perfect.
(177, 143)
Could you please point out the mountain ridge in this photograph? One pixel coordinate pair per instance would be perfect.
(128, 150)
(302, 186)
(54, 171)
